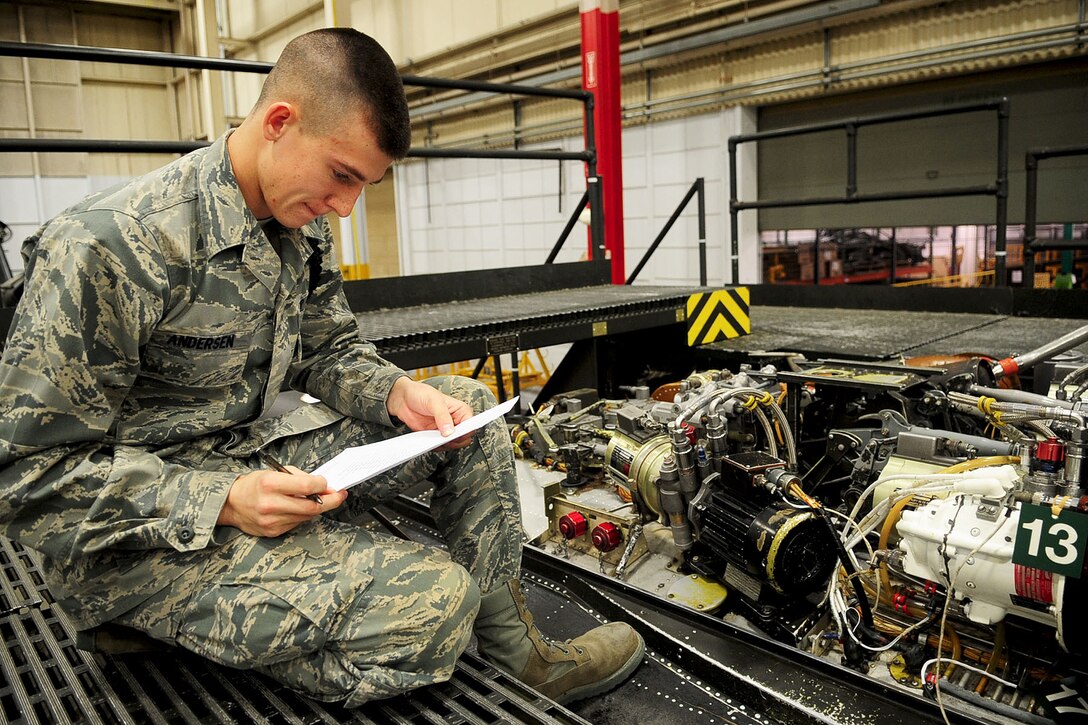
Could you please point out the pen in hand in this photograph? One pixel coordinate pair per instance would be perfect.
(276, 465)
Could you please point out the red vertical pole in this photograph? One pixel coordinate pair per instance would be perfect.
(601, 76)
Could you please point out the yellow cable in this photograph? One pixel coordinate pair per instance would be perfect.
(972, 463)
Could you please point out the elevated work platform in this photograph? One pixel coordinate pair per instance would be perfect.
(434, 319)
(887, 324)
(882, 335)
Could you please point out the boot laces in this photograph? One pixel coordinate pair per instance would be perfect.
(561, 646)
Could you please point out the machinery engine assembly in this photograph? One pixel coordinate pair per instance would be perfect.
(946, 560)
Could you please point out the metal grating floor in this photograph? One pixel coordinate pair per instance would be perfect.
(44, 678)
(887, 335)
(406, 327)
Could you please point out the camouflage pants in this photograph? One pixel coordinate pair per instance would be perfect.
(337, 611)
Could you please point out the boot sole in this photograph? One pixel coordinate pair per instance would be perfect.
(602, 686)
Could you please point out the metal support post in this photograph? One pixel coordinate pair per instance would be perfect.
(1031, 192)
(601, 76)
(734, 210)
(701, 184)
(1001, 252)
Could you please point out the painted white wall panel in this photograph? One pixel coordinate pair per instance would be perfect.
(24, 211)
(18, 201)
(59, 193)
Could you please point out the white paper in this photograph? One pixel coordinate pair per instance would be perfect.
(358, 463)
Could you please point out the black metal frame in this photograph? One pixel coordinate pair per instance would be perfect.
(142, 57)
(1031, 196)
(999, 189)
(1013, 301)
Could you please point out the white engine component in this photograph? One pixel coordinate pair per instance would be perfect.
(940, 540)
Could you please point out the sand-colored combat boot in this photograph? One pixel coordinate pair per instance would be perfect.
(585, 666)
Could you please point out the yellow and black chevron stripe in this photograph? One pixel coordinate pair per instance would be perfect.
(716, 315)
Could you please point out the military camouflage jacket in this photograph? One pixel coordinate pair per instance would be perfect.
(153, 314)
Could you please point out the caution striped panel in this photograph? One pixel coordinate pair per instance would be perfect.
(717, 315)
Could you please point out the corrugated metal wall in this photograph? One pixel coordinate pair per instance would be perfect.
(890, 43)
(60, 98)
(65, 99)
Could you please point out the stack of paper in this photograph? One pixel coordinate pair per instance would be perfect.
(358, 463)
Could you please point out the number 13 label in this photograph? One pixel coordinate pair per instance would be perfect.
(1051, 543)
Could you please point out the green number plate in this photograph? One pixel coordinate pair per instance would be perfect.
(1051, 543)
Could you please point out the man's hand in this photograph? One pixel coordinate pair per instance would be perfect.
(421, 407)
(271, 503)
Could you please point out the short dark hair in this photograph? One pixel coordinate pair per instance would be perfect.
(325, 69)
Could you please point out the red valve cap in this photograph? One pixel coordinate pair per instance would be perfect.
(1052, 450)
(573, 525)
(607, 536)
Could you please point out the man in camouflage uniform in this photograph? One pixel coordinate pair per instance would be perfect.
(159, 322)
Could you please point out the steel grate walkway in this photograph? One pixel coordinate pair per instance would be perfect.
(429, 334)
(889, 334)
(45, 679)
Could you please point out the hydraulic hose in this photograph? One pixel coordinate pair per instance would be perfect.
(1018, 396)
(1073, 377)
(1013, 365)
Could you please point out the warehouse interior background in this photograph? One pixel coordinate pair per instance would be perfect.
(693, 74)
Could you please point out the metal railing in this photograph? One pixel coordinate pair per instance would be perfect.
(998, 189)
(952, 280)
(698, 190)
(142, 57)
(1031, 203)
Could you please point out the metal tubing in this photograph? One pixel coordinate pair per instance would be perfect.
(593, 186)
(1001, 252)
(1063, 343)
(734, 209)
(1041, 245)
(1031, 195)
(1018, 396)
(989, 189)
(500, 385)
(59, 51)
(1010, 366)
(664, 230)
(895, 259)
(596, 223)
(567, 229)
(702, 230)
(870, 120)
(998, 189)
(488, 87)
(479, 368)
(183, 147)
(88, 145)
(452, 153)
(172, 60)
(515, 379)
(1058, 151)
(851, 160)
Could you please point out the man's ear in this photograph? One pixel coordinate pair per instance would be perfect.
(278, 117)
